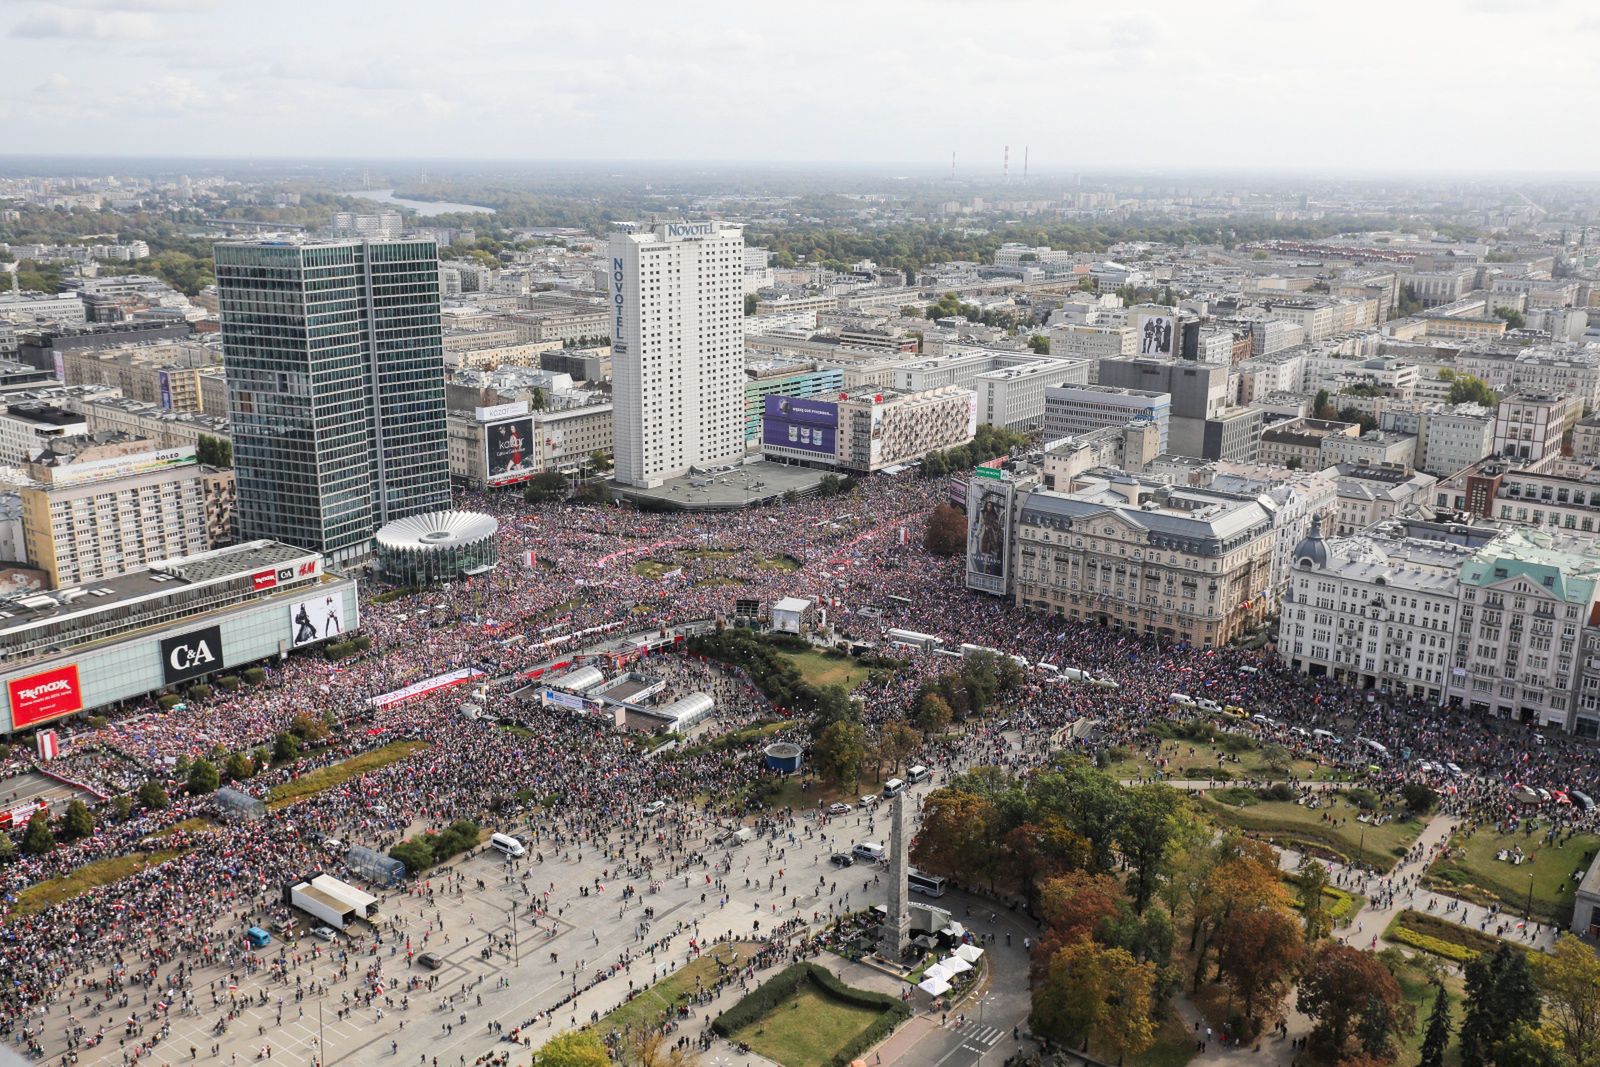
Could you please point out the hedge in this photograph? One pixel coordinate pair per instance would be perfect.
(1447, 949)
(253, 675)
(1436, 929)
(760, 1003)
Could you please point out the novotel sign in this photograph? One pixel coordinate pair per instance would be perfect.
(617, 276)
(690, 229)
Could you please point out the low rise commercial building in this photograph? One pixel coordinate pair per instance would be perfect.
(1369, 494)
(507, 444)
(1078, 409)
(1375, 448)
(1528, 429)
(27, 427)
(1298, 442)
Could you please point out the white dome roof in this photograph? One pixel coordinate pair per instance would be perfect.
(438, 529)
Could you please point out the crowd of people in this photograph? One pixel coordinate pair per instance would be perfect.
(172, 927)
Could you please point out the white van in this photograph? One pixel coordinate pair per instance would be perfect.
(1183, 700)
(507, 845)
(1323, 735)
(655, 808)
(1375, 748)
(893, 787)
(917, 774)
(870, 851)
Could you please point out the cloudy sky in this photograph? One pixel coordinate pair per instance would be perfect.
(1364, 85)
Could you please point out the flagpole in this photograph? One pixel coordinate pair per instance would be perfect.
(322, 1047)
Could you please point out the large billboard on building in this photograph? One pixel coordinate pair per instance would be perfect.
(1158, 335)
(800, 423)
(988, 534)
(192, 654)
(508, 448)
(46, 695)
(315, 620)
(120, 466)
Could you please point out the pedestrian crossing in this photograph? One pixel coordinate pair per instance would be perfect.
(987, 1036)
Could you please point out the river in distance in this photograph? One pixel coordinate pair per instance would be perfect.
(421, 207)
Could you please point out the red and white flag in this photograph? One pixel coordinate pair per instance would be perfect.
(49, 745)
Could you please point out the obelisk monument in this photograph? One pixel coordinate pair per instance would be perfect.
(897, 926)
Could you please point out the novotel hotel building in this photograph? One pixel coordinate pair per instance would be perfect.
(677, 356)
(169, 625)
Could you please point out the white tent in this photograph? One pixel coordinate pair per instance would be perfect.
(955, 965)
(934, 987)
(941, 971)
(970, 953)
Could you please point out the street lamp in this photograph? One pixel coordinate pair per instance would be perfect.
(1530, 897)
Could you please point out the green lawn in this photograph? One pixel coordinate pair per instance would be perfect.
(1477, 876)
(1203, 764)
(1288, 824)
(46, 895)
(807, 1029)
(644, 1010)
(1419, 992)
(652, 568)
(324, 778)
(716, 581)
(711, 553)
(197, 825)
(820, 670)
(778, 563)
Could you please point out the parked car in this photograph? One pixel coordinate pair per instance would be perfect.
(839, 808)
(842, 859)
(431, 960)
(324, 933)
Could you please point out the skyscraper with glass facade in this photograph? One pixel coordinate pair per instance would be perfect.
(335, 366)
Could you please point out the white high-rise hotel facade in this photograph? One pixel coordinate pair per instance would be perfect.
(677, 331)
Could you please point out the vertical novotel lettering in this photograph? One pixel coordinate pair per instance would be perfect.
(616, 298)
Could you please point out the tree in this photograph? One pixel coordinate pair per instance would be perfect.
(536, 398)
(308, 727)
(153, 795)
(213, 451)
(1258, 950)
(416, 854)
(1088, 801)
(594, 492)
(900, 742)
(830, 485)
(1569, 978)
(1075, 904)
(1244, 876)
(1142, 837)
(1467, 389)
(1526, 1045)
(1418, 797)
(600, 460)
(1309, 882)
(1513, 317)
(239, 767)
(947, 531)
(285, 748)
(654, 1050)
(121, 807)
(1039, 344)
(840, 751)
(933, 714)
(546, 485)
(8, 849)
(574, 1048)
(749, 304)
(78, 823)
(1091, 992)
(1500, 993)
(203, 777)
(1349, 993)
(957, 835)
(38, 840)
(1437, 1039)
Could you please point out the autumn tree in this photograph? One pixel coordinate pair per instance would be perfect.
(946, 534)
(1033, 852)
(1350, 995)
(1074, 905)
(840, 752)
(1091, 992)
(900, 742)
(1569, 978)
(1258, 950)
(1243, 877)
(574, 1048)
(933, 713)
(956, 837)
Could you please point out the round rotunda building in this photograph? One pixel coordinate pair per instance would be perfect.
(436, 547)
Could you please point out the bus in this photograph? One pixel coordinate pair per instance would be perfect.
(902, 601)
(929, 885)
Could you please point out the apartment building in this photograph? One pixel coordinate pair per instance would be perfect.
(1074, 410)
(1528, 429)
(1298, 443)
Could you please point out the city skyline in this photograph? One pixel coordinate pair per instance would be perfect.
(1361, 88)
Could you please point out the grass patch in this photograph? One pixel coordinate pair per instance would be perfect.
(652, 568)
(197, 825)
(644, 1011)
(820, 671)
(1416, 979)
(806, 1029)
(1471, 871)
(324, 778)
(1236, 797)
(787, 564)
(711, 553)
(46, 895)
(716, 581)
(1174, 1046)
(1286, 823)
(517, 730)
(1434, 933)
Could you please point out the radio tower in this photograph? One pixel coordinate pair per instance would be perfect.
(952, 165)
(1024, 164)
(1005, 167)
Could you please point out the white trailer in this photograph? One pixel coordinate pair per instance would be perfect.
(322, 906)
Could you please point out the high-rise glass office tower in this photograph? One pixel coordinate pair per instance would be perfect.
(335, 366)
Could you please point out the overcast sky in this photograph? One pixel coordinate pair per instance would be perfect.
(1171, 85)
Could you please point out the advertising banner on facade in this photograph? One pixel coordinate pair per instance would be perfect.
(46, 695)
(800, 423)
(1157, 335)
(988, 534)
(190, 655)
(508, 448)
(316, 620)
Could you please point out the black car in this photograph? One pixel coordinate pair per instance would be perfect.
(842, 859)
(431, 960)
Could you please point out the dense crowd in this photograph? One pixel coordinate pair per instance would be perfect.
(161, 928)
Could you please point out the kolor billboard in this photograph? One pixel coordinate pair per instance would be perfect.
(798, 423)
(509, 451)
(192, 654)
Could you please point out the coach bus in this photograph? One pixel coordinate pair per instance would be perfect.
(913, 639)
(929, 885)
